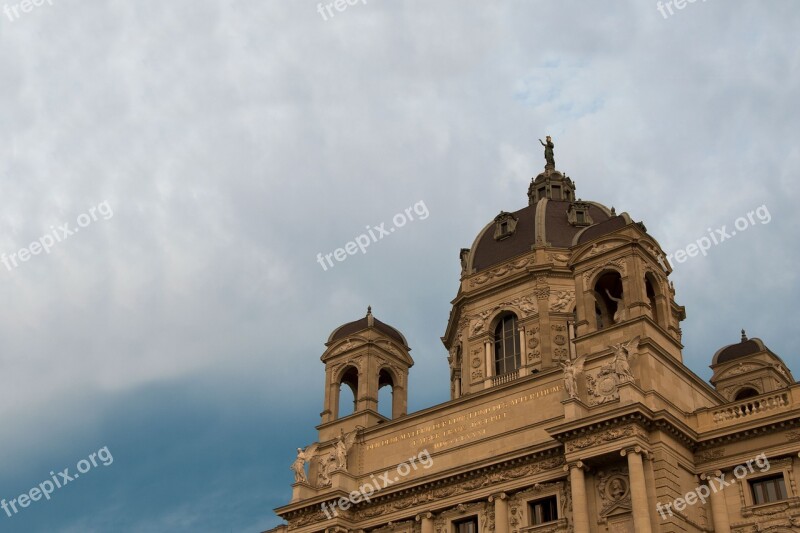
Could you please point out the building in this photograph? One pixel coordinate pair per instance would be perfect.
(571, 408)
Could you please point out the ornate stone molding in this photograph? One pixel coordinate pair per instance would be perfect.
(526, 305)
(558, 258)
(458, 487)
(603, 387)
(602, 437)
(502, 271)
(532, 336)
(613, 489)
(617, 264)
(476, 363)
(562, 301)
(710, 455)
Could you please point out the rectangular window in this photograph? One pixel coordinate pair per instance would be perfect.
(580, 217)
(556, 189)
(544, 510)
(470, 525)
(768, 490)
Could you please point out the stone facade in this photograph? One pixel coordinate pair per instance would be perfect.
(559, 290)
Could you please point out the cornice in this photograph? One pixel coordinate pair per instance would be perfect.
(486, 475)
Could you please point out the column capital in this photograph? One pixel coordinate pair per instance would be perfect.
(423, 516)
(499, 496)
(638, 450)
(710, 475)
(580, 465)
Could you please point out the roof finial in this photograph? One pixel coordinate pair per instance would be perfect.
(370, 319)
(744, 336)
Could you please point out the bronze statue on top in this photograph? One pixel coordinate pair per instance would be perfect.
(548, 153)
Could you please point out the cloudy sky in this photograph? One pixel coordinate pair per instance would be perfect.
(201, 154)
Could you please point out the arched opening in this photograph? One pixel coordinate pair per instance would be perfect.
(506, 345)
(348, 390)
(609, 306)
(745, 393)
(649, 285)
(385, 393)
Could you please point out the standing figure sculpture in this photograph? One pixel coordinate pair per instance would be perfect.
(621, 312)
(572, 369)
(342, 447)
(549, 158)
(299, 464)
(622, 359)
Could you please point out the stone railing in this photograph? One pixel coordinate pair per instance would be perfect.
(752, 406)
(505, 378)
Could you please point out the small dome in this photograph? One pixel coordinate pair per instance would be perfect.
(744, 348)
(351, 328)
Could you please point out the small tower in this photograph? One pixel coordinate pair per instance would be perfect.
(364, 355)
(748, 369)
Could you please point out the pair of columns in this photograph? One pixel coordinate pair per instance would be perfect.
(638, 491)
(580, 503)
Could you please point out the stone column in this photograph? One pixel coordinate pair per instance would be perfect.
(426, 522)
(719, 510)
(641, 511)
(487, 349)
(500, 512)
(580, 504)
(650, 480)
(523, 360)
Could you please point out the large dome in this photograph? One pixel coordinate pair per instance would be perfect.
(553, 218)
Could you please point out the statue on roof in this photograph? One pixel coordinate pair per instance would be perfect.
(550, 162)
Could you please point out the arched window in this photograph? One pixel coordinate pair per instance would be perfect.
(649, 286)
(747, 392)
(506, 345)
(609, 308)
(349, 385)
(385, 394)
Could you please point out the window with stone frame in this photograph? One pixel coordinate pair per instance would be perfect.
(769, 489)
(506, 345)
(467, 525)
(543, 510)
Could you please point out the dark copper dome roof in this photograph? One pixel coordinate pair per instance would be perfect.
(351, 328)
(544, 222)
(739, 350)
